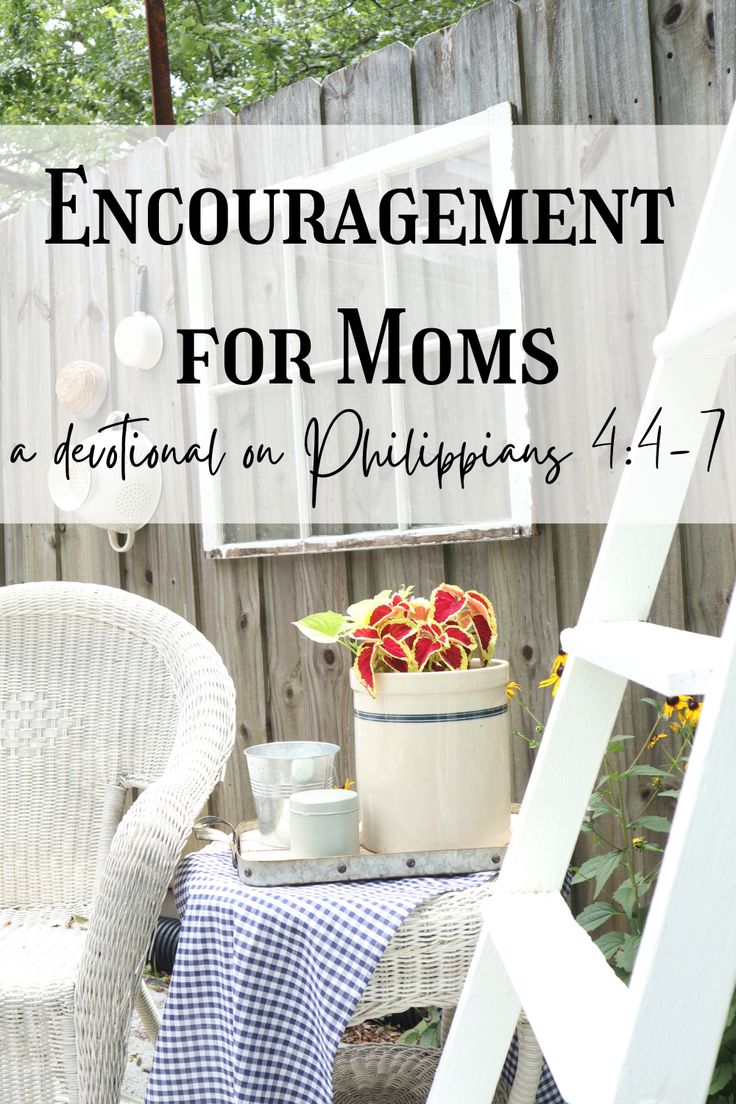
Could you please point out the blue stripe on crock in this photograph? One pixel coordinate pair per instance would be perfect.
(428, 718)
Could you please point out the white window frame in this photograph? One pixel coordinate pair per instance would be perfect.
(494, 125)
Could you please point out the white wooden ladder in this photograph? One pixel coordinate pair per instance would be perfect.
(654, 1042)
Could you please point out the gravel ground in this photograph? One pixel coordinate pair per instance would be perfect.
(140, 1048)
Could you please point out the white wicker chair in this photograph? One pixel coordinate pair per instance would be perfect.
(100, 692)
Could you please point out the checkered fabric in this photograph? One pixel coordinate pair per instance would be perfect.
(267, 979)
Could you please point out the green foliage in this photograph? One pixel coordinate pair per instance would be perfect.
(324, 628)
(81, 62)
(622, 878)
(724, 1075)
(426, 1033)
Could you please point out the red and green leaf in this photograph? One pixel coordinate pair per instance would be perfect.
(454, 632)
(454, 657)
(424, 649)
(364, 667)
(366, 633)
(446, 602)
(382, 610)
(394, 649)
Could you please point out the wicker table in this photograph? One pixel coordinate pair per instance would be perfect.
(425, 964)
(266, 980)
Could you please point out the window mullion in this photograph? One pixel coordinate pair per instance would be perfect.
(291, 296)
(398, 418)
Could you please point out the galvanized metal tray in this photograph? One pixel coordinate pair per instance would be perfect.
(261, 866)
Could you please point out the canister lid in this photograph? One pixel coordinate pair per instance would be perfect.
(320, 802)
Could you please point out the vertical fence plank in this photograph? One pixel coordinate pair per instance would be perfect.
(81, 316)
(725, 50)
(586, 61)
(518, 577)
(159, 565)
(26, 342)
(374, 92)
(694, 46)
(487, 58)
(229, 606)
(434, 76)
(683, 55)
(231, 619)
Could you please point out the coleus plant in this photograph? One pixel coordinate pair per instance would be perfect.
(397, 632)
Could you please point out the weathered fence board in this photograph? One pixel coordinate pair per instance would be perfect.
(81, 332)
(26, 342)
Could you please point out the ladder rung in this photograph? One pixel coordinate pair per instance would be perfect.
(711, 331)
(670, 661)
(577, 1006)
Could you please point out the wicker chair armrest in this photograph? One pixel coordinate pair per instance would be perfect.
(142, 858)
(134, 881)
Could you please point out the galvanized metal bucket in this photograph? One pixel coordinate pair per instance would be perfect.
(280, 769)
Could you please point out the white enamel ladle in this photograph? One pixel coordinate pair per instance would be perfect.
(139, 341)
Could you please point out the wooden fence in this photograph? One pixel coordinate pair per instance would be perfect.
(557, 61)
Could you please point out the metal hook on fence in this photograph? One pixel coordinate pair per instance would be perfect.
(135, 263)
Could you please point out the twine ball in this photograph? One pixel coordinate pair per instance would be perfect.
(81, 387)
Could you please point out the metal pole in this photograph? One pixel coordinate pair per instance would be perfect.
(158, 53)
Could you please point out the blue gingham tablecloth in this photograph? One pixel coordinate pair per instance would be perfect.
(266, 980)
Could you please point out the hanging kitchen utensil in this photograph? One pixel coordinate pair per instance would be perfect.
(99, 495)
(139, 341)
(81, 387)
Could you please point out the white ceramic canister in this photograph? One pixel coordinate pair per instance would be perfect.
(323, 823)
(433, 760)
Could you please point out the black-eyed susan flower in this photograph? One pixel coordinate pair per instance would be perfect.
(656, 738)
(692, 711)
(512, 689)
(638, 842)
(673, 705)
(555, 673)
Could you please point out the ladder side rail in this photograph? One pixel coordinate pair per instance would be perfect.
(708, 270)
(582, 1012)
(565, 771)
(685, 973)
(649, 501)
(482, 1029)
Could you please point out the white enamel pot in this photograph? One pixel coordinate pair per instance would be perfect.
(433, 760)
(100, 496)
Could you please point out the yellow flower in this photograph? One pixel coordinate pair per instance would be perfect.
(512, 689)
(347, 785)
(555, 673)
(638, 842)
(672, 705)
(657, 737)
(692, 711)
